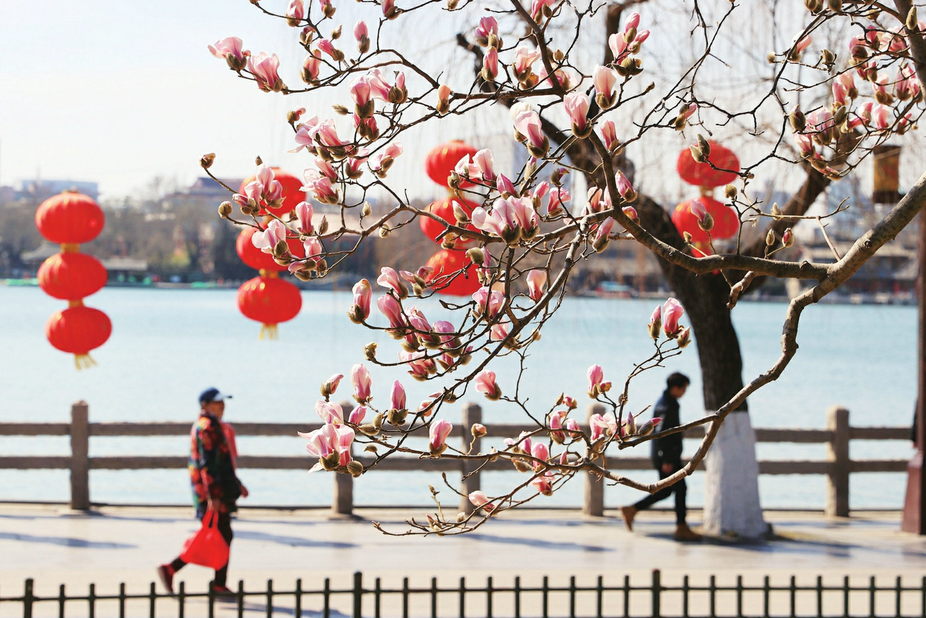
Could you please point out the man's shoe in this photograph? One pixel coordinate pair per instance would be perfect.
(684, 533)
(628, 513)
(166, 573)
(224, 593)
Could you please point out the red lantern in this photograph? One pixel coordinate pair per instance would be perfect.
(257, 259)
(71, 275)
(69, 218)
(702, 174)
(442, 159)
(443, 209)
(269, 300)
(726, 221)
(292, 192)
(77, 330)
(447, 262)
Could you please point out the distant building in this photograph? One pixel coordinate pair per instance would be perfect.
(42, 189)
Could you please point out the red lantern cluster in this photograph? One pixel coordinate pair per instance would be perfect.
(71, 219)
(726, 220)
(439, 163)
(267, 298)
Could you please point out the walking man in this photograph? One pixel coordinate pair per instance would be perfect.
(212, 474)
(667, 458)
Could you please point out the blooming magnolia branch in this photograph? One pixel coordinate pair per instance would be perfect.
(526, 233)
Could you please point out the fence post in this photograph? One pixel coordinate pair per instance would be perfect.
(343, 499)
(80, 450)
(472, 413)
(358, 595)
(837, 454)
(657, 594)
(594, 487)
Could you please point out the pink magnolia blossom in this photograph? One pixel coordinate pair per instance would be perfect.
(419, 367)
(798, 45)
(577, 105)
(537, 7)
(230, 49)
(443, 99)
(524, 58)
(311, 67)
(498, 332)
(804, 144)
(557, 419)
(604, 79)
(360, 30)
(389, 9)
(522, 444)
(649, 426)
(504, 186)
(698, 210)
(572, 425)
(487, 26)
(486, 164)
(490, 65)
(672, 311)
(267, 239)
(631, 213)
(906, 85)
(304, 135)
(398, 396)
(331, 384)
(480, 500)
(485, 384)
(624, 187)
(362, 297)
(489, 302)
(320, 187)
(544, 483)
(360, 91)
(329, 412)
(383, 159)
(536, 281)
(465, 168)
(602, 425)
(360, 378)
(558, 199)
(265, 69)
(438, 433)
(296, 10)
(390, 307)
(390, 280)
(881, 117)
(655, 322)
(596, 383)
(603, 233)
(540, 451)
(330, 439)
(527, 123)
(304, 212)
(357, 415)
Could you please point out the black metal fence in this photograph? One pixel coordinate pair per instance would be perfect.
(686, 597)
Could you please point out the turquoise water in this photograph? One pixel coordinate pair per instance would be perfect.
(168, 345)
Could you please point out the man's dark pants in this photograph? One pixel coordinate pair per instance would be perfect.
(680, 490)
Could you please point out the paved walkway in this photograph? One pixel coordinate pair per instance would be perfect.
(53, 545)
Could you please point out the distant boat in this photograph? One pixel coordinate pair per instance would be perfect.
(613, 289)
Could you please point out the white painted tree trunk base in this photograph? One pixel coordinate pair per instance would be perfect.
(731, 484)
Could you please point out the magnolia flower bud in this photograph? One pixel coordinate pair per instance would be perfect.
(459, 214)
(478, 430)
(776, 211)
(476, 256)
(225, 209)
(355, 468)
(912, 23)
(697, 154)
(369, 351)
(729, 191)
(366, 210)
(770, 238)
(686, 236)
(207, 160)
(703, 146)
(331, 461)
(787, 238)
(684, 337)
(797, 119)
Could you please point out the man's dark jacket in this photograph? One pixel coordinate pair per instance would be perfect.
(669, 448)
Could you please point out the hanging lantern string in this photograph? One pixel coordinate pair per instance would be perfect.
(268, 331)
(76, 303)
(706, 191)
(70, 247)
(83, 361)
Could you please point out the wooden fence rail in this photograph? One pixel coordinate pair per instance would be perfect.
(836, 467)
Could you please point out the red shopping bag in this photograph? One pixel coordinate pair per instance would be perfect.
(206, 546)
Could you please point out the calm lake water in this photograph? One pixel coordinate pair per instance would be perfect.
(168, 345)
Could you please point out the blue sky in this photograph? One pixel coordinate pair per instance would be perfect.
(121, 92)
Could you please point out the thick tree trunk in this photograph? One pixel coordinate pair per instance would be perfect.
(731, 499)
